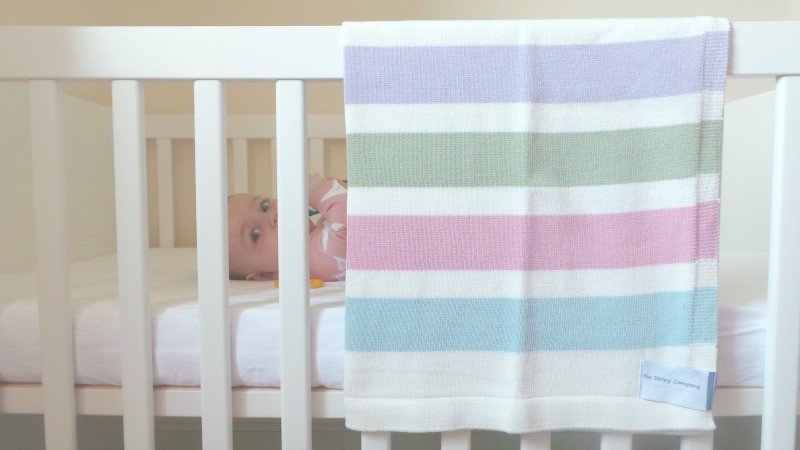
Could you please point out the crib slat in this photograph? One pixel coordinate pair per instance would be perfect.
(273, 167)
(293, 265)
(535, 441)
(130, 182)
(376, 440)
(616, 441)
(166, 194)
(52, 258)
(457, 440)
(212, 263)
(239, 166)
(316, 156)
(783, 311)
(701, 441)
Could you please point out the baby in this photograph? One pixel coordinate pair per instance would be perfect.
(253, 233)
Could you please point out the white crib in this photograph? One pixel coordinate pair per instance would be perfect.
(290, 55)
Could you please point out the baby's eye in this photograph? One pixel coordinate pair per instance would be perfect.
(255, 234)
(265, 206)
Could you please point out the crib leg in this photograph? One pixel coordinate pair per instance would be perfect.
(49, 161)
(616, 441)
(376, 441)
(212, 264)
(290, 126)
(130, 183)
(535, 441)
(457, 440)
(702, 441)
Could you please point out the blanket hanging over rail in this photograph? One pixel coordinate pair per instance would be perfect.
(533, 224)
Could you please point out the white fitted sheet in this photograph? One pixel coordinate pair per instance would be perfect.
(254, 315)
(255, 333)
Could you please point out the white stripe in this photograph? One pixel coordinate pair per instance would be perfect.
(424, 284)
(523, 415)
(556, 373)
(491, 201)
(525, 32)
(534, 117)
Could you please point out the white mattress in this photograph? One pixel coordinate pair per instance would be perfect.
(255, 333)
(254, 315)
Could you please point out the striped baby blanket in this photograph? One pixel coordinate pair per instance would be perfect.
(533, 211)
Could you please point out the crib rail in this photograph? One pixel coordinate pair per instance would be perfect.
(269, 53)
(292, 55)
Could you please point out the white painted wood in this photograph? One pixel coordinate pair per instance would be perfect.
(377, 440)
(316, 156)
(783, 310)
(239, 166)
(170, 401)
(273, 168)
(130, 182)
(166, 193)
(737, 402)
(616, 441)
(211, 169)
(701, 441)
(49, 161)
(535, 441)
(757, 48)
(25, 398)
(293, 265)
(249, 126)
(457, 440)
(753, 46)
(162, 52)
(257, 53)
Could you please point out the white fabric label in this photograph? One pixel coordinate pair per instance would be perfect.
(677, 385)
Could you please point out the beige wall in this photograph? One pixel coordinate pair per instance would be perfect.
(326, 12)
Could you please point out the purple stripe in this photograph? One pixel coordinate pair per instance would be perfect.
(539, 74)
(606, 241)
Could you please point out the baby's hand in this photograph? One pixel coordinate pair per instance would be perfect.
(315, 180)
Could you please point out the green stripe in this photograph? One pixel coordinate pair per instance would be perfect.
(533, 159)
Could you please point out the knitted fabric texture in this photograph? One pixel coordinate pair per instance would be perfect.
(533, 211)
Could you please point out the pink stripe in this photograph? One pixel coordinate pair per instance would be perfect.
(605, 241)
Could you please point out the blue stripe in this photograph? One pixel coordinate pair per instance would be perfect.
(535, 73)
(710, 387)
(518, 325)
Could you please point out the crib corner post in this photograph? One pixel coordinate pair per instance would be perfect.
(783, 314)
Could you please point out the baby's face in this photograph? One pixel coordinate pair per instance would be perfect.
(253, 236)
